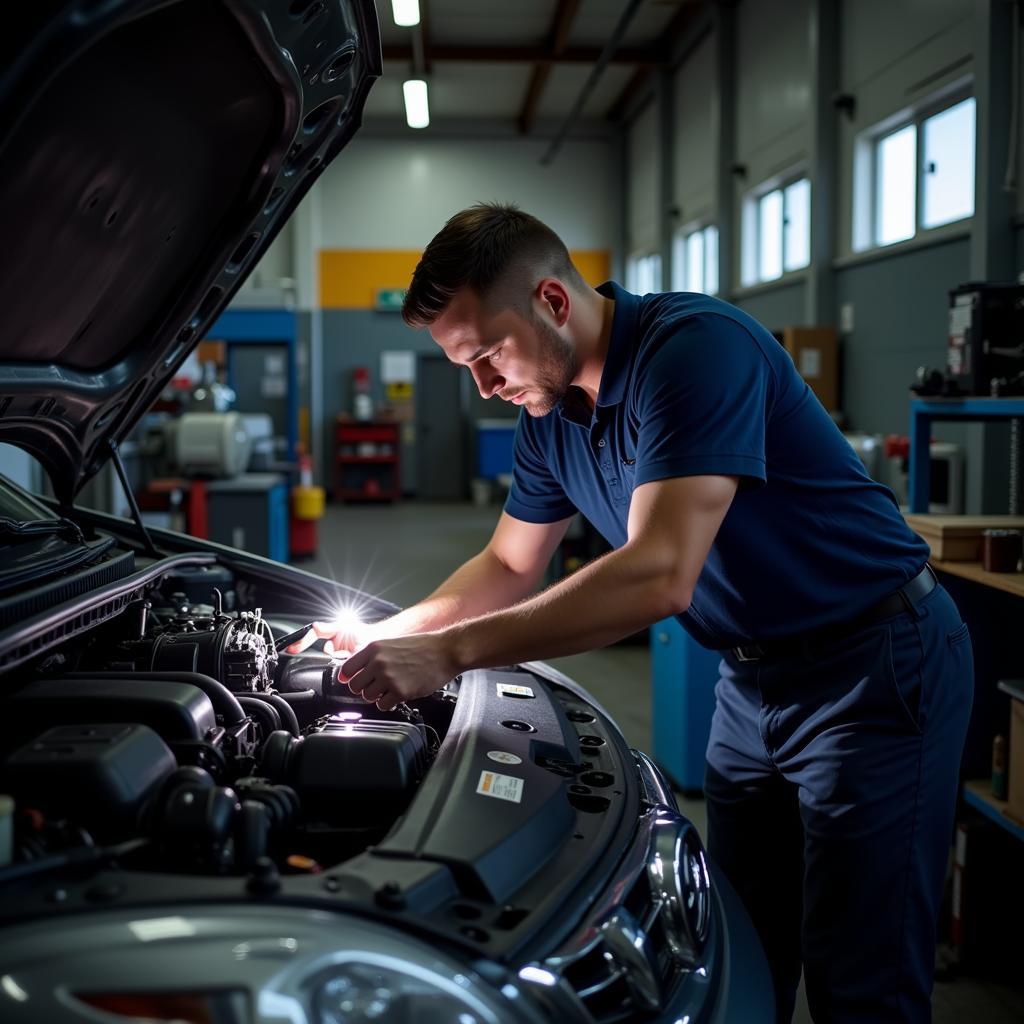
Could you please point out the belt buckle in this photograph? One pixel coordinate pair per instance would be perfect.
(748, 652)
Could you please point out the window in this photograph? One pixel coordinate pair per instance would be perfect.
(949, 165)
(776, 230)
(896, 179)
(643, 273)
(914, 174)
(695, 260)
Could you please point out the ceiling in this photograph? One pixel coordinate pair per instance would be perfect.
(523, 65)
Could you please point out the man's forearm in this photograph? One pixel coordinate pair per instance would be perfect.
(478, 586)
(608, 599)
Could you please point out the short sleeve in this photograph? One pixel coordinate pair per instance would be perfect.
(701, 400)
(536, 495)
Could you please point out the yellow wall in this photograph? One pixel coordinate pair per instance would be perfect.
(350, 278)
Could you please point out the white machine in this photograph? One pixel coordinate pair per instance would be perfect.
(212, 444)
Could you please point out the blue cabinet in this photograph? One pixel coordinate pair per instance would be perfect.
(683, 694)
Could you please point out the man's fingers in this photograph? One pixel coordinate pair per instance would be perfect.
(301, 644)
(317, 631)
(357, 682)
(374, 690)
(358, 661)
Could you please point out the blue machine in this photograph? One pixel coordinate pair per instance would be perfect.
(683, 693)
(494, 443)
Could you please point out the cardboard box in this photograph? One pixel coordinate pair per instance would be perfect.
(215, 352)
(815, 351)
(958, 538)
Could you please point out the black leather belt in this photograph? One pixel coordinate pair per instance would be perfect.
(783, 647)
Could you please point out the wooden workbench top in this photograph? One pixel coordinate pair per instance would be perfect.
(1010, 582)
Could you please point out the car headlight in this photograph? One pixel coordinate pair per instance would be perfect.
(219, 961)
(395, 991)
(678, 876)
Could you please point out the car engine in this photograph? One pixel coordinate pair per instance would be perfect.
(179, 736)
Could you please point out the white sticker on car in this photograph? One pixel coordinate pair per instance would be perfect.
(504, 757)
(502, 787)
(508, 690)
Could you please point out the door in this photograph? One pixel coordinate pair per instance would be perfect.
(259, 375)
(441, 473)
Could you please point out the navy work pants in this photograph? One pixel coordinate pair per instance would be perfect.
(831, 788)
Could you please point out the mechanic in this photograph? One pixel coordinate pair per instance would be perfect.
(681, 429)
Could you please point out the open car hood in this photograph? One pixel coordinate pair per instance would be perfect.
(150, 150)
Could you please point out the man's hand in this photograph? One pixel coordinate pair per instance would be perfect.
(386, 672)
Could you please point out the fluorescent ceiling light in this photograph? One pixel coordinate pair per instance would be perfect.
(416, 113)
(406, 12)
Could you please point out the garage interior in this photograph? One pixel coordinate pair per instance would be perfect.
(848, 172)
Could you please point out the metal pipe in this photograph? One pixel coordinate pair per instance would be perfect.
(132, 503)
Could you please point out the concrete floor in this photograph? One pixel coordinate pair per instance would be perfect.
(403, 551)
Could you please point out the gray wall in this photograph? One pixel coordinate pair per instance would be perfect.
(775, 307)
(900, 308)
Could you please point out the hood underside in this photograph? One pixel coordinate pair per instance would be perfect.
(149, 154)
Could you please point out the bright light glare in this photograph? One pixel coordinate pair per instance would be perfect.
(157, 928)
(538, 975)
(417, 113)
(406, 12)
(348, 618)
(13, 989)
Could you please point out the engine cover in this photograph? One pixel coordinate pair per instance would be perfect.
(350, 769)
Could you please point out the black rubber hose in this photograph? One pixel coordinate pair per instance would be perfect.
(284, 710)
(266, 715)
(222, 699)
(299, 696)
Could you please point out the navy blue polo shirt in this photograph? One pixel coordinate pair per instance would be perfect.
(693, 386)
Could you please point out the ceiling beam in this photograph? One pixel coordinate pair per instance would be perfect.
(682, 20)
(558, 39)
(477, 54)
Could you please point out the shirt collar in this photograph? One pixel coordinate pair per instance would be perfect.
(615, 372)
(620, 343)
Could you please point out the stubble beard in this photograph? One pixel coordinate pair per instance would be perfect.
(556, 370)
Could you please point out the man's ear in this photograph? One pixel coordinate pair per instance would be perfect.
(554, 297)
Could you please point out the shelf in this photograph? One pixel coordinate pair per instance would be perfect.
(1009, 582)
(978, 794)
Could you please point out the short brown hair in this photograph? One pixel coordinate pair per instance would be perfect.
(481, 247)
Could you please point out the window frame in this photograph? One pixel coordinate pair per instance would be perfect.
(866, 191)
(750, 248)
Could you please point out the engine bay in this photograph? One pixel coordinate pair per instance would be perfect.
(179, 727)
(158, 745)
